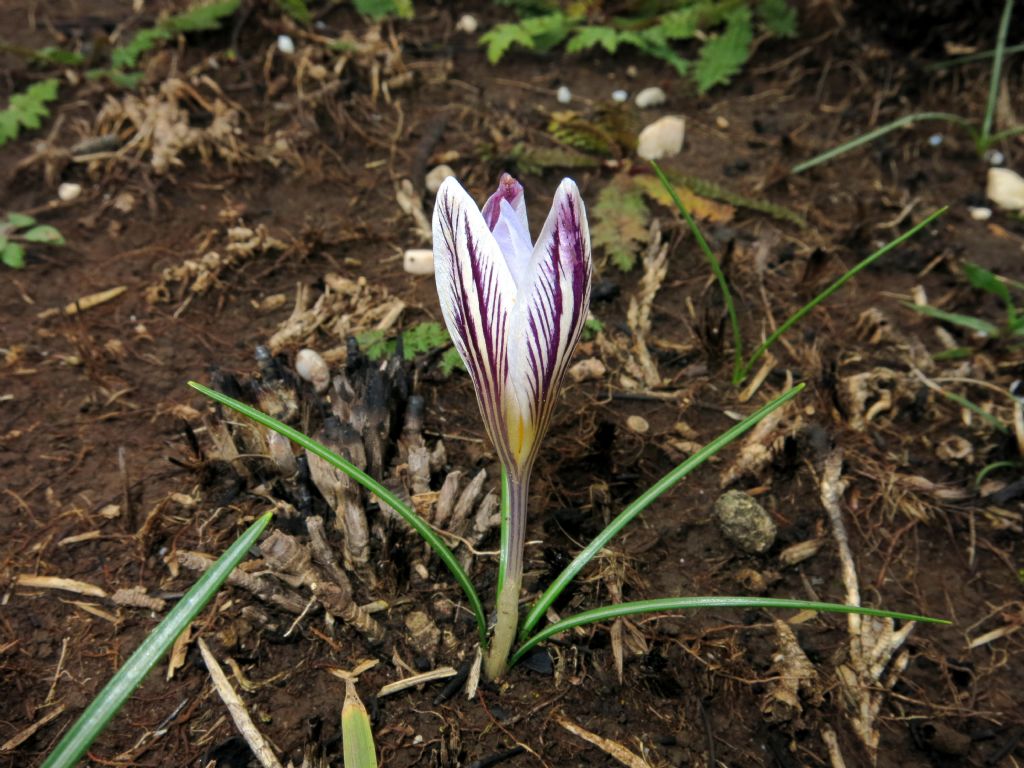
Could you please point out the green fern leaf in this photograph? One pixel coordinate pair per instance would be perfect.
(587, 37)
(297, 9)
(723, 56)
(202, 18)
(501, 37)
(621, 218)
(27, 109)
(778, 17)
(381, 9)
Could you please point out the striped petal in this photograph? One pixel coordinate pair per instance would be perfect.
(477, 293)
(505, 214)
(547, 321)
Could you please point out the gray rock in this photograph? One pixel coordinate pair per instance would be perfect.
(744, 522)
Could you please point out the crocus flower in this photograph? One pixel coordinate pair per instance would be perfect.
(515, 311)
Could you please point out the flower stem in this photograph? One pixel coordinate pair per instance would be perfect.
(514, 492)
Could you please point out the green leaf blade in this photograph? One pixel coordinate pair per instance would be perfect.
(103, 708)
(723, 56)
(44, 233)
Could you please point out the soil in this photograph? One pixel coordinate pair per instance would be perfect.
(109, 468)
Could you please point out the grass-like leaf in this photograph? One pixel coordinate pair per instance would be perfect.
(623, 519)
(716, 269)
(659, 605)
(975, 324)
(799, 315)
(356, 733)
(870, 136)
(421, 526)
(159, 641)
(994, 79)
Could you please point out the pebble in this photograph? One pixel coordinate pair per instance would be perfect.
(650, 97)
(313, 368)
(980, 212)
(744, 522)
(619, 96)
(1005, 188)
(435, 176)
(285, 45)
(418, 261)
(467, 23)
(69, 191)
(662, 138)
(995, 157)
(563, 94)
(638, 424)
(721, 122)
(935, 140)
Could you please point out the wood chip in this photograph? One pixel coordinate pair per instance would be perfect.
(84, 303)
(441, 673)
(56, 582)
(236, 708)
(609, 747)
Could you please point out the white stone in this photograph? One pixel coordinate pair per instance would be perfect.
(313, 368)
(619, 96)
(285, 45)
(435, 176)
(419, 261)
(563, 94)
(69, 191)
(980, 213)
(662, 138)
(638, 424)
(650, 97)
(467, 23)
(1005, 188)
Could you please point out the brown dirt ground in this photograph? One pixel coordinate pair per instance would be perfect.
(81, 391)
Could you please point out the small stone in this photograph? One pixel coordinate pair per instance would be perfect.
(935, 140)
(721, 122)
(619, 96)
(435, 176)
(285, 45)
(632, 71)
(1005, 188)
(313, 368)
(650, 97)
(638, 424)
(587, 370)
(662, 138)
(980, 212)
(563, 94)
(418, 261)
(995, 157)
(69, 191)
(744, 522)
(467, 23)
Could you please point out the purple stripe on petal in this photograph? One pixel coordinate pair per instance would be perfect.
(476, 292)
(549, 315)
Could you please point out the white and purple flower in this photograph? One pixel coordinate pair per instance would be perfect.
(515, 311)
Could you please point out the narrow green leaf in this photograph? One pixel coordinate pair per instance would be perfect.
(356, 732)
(116, 692)
(716, 269)
(975, 324)
(382, 493)
(870, 136)
(44, 233)
(621, 520)
(20, 220)
(658, 605)
(13, 255)
(839, 283)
